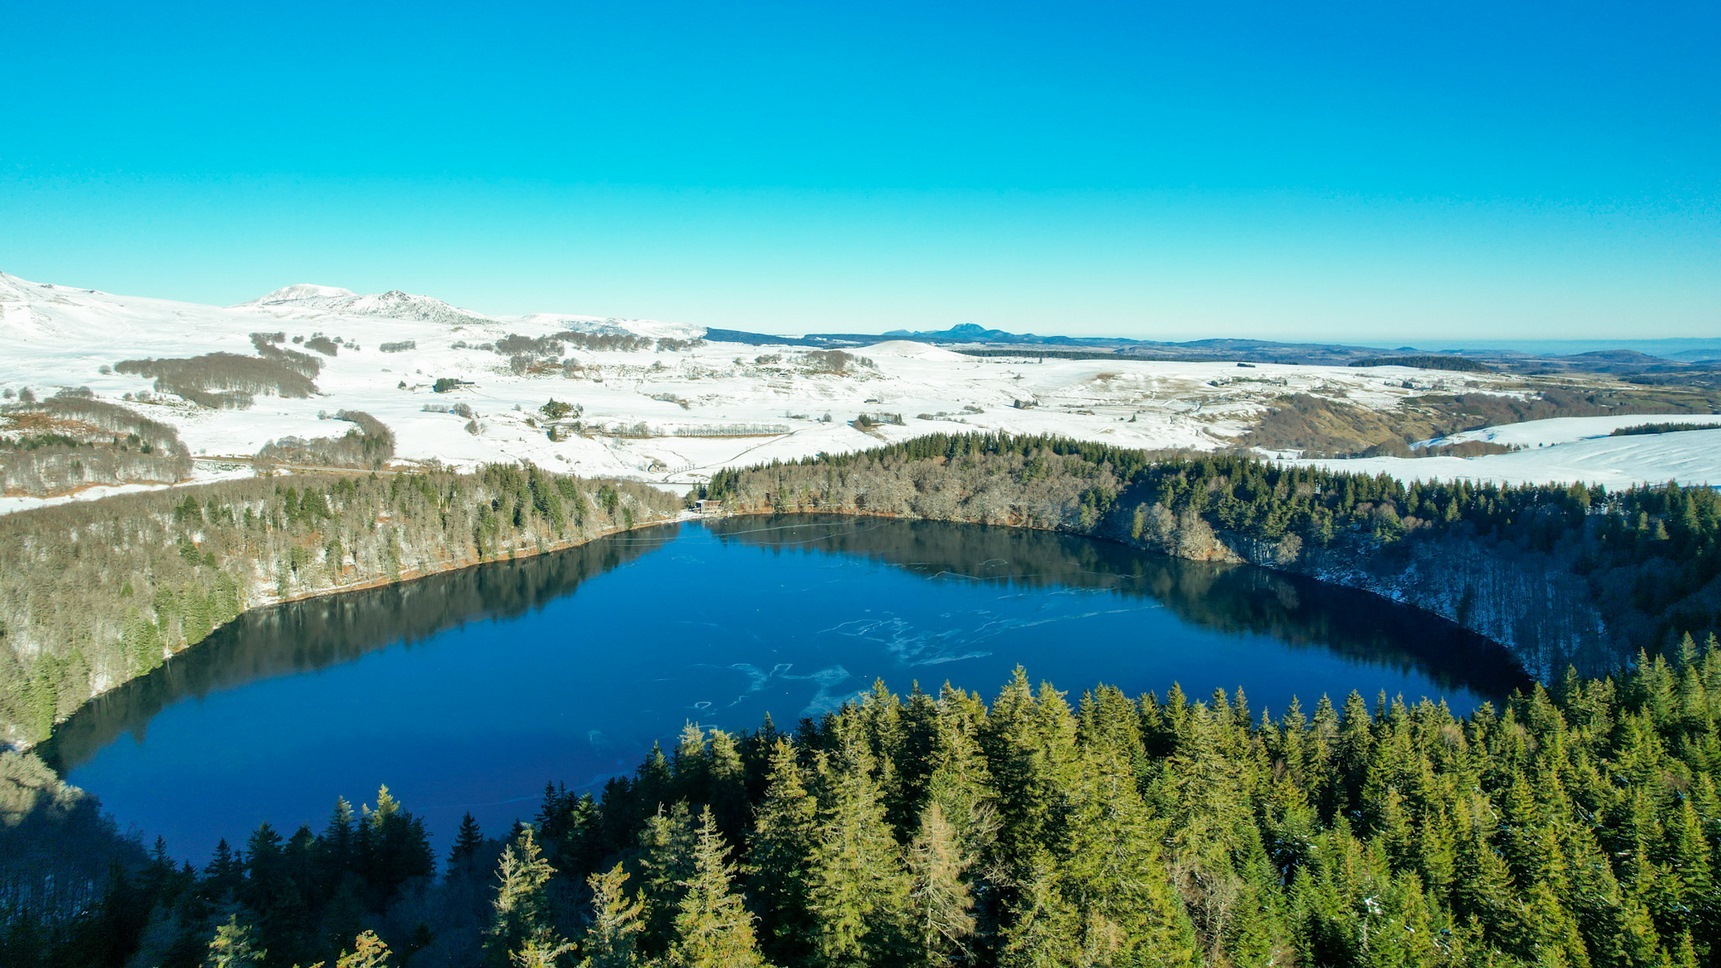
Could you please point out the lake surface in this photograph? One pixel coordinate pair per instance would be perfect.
(469, 691)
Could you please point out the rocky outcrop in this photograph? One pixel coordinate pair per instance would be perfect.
(1531, 604)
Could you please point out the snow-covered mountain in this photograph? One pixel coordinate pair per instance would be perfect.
(674, 412)
(305, 299)
(308, 300)
(302, 294)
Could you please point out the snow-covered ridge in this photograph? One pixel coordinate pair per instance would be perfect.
(304, 300)
(673, 412)
(294, 300)
(303, 293)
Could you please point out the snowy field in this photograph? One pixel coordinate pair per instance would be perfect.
(673, 416)
(1569, 449)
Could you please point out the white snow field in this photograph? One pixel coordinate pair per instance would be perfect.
(674, 416)
(1567, 449)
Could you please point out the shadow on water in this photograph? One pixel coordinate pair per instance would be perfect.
(1234, 599)
(310, 635)
(317, 633)
(568, 666)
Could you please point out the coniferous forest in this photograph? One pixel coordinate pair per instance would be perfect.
(93, 594)
(1578, 824)
(1570, 575)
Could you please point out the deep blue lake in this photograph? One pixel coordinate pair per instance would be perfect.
(469, 691)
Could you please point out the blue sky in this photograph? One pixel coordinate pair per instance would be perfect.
(1341, 171)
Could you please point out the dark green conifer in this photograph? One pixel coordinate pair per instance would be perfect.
(779, 856)
(713, 929)
(858, 895)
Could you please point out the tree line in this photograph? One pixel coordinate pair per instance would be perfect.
(1427, 361)
(1661, 428)
(72, 439)
(369, 444)
(231, 380)
(95, 593)
(1319, 427)
(1574, 826)
(1643, 563)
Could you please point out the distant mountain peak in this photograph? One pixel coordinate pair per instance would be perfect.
(298, 293)
(967, 333)
(394, 304)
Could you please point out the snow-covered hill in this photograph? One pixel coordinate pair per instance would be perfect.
(1570, 449)
(309, 301)
(657, 408)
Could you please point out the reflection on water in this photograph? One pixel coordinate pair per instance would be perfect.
(313, 634)
(1236, 599)
(468, 691)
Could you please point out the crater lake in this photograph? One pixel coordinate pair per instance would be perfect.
(469, 691)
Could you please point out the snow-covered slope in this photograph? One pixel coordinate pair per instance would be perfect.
(306, 301)
(304, 294)
(1570, 449)
(673, 414)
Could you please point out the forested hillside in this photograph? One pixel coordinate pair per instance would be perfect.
(1571, 575)
(95, 593)
(1579, 825)
(1320, 426)
(1574, 827)
(72, 440)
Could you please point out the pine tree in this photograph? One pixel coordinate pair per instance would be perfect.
(225, 873)
(611, 939)
(1482, 882)
(467, 840)
(1045, 925)
(265, 864)
(337, 848)
(960, 784)
(521, 922)
(1113, 875)
(233, 946)
(726, 784)
(665, 864)
(858, 897)
(941, 904)
(369, 951)
(393, 847)
(713, 929)
(778, 854)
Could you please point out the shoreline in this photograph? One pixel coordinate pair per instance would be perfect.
(533, 550)
(1458, 610)
(1224, 552)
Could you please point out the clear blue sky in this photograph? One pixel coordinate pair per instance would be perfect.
(1372, 170)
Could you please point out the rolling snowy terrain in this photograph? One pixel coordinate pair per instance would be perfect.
(659, 404)
(1569, 449)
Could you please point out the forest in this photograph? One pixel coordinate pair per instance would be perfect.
(1575, 826)
(1640, 567)
(72, 439)
(1319, 427)
(230, 380)
(369, 444)
(93, 594)
(1578, 824)
(1427, 361)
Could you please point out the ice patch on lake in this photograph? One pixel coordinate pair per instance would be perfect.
(825, 700)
